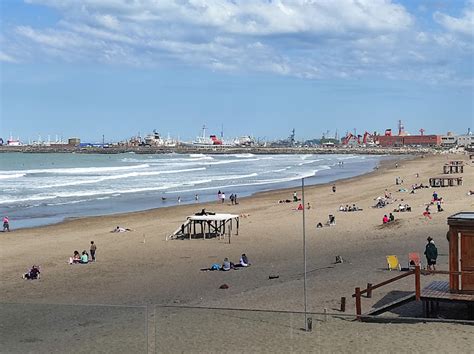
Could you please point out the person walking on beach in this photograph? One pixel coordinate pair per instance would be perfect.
(222, 197)
(232, 199)
(235, 199)
(196, 198)
(93, 249)
(431, 253)
(6, 224)
(295, 196)
(334, 188)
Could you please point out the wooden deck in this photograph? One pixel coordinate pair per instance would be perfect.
(438, 291)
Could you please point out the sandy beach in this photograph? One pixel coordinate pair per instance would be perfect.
(116, 304)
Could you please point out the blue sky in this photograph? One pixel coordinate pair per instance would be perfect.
(93, 67)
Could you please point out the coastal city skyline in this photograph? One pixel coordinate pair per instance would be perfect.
(102, 68)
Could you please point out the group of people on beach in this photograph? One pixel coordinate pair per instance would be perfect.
(84, 257)
(388, 218)
(228, 265)
(221, 197)
(348, 207)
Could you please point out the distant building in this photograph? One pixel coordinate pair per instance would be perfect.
(465, 140)
(74, 141)
(408, 140)
(449, 140)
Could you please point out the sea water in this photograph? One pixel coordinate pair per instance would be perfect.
(39, 189)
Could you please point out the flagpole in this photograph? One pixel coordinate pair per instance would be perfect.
(304, 257)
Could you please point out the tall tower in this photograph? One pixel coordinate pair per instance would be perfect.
(401, 128)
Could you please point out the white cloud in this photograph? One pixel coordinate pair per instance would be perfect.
(7, 58)
(302, 38)
(463, 25)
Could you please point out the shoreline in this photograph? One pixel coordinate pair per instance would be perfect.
(382, 164)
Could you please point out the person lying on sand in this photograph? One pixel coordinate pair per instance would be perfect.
(120, 229)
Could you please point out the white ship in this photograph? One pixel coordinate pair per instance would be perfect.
(156, 140)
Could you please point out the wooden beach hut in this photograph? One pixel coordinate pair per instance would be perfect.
(453, 167)
(445, 181)
(461, 252)
(207, 226)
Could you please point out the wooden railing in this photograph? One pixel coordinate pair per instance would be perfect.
(358, 292)
(417, 272)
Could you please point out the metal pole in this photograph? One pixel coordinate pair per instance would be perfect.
(304, 256)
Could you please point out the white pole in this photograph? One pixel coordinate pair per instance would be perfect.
(304, 256)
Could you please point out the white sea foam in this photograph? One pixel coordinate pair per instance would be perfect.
(12, 175)
(115, 177)
(84, 170)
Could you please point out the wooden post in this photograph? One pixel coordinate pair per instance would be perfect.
(417, 283)
(230, 230)
(343, 304)
(358, 304)
(369, 290)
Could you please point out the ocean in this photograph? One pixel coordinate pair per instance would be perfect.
(40, 189)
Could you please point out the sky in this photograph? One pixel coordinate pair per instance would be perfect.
(116, 68)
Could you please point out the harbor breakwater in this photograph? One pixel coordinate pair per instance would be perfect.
(219, 150)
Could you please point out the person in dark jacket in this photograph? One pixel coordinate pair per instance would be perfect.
(431, 253)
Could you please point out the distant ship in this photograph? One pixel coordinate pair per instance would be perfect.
(212, 140)
(13, 142)
(156, 140)
(205, 141)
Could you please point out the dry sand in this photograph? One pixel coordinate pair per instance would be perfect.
(69, 308)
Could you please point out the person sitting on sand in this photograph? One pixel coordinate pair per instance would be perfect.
(202, 212)
(84, 258)
(332, 220)
(341, 207)
(120, 229)
(319, 225)
(76, 258)
(385, 219)
(33, 273)
(226, 265)
(308, 206)
(391, 217)
(244, 261)
(300, 207)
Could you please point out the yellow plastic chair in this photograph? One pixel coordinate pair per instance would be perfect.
(393, 263)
